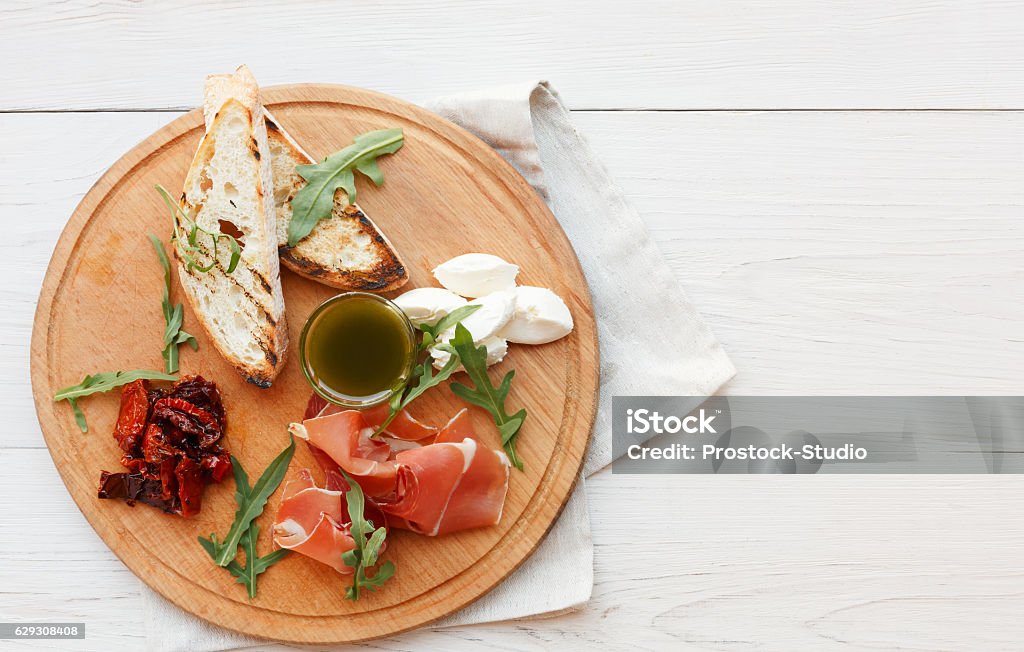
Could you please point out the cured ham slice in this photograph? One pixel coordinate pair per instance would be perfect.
(345, 438)
(312, 522)
(443, 482)
(403, 426)
(449, 486)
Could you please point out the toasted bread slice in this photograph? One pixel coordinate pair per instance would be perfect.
(345, 251)
(228, 189)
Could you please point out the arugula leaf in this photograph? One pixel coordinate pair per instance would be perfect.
(423, 372)
(251, 503)
(254, 564)
(190, 248)
(315, 201)
(103, 382)
(369, 541)
(173, 316)
(483, 394)
(432, 332)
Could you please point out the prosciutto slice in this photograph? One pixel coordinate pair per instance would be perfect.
(452, 484)
(311, 521)
(345, 438)
(443, 482)
(403, 426)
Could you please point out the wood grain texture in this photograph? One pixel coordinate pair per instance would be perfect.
(97, 312)
(804, 240)
(665, 54)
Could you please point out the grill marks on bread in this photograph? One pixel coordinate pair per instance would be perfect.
(227, 190)
(347, 250)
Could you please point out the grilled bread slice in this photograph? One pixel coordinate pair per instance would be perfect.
(347, 250)
(229, 189)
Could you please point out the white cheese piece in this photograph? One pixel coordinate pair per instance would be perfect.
(496, 309)
(540, 316)
(428, 305)
(475, 275)
(496, 350)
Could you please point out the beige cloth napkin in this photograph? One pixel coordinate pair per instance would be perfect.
(529, 126)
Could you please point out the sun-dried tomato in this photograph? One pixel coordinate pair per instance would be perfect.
(168, 481)
(203, 394)
(134, 464)
(169, 439)
(189, 420)
(155, 447)
(190, 486)
(216, 464)
(131, 487)
(131, 420)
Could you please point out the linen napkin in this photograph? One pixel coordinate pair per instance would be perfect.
(530, 127)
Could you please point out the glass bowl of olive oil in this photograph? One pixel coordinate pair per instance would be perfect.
(357, 349)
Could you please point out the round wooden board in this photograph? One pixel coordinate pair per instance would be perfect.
(446, 193)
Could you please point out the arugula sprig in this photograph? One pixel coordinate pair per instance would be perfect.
(485, 395)
(190, 247)
(369, 540)
(247, 498)
(423, 373)
(173, 315)
(254, 564)
(251, 502)
(315, 201)
(433, 332)
(103, 382)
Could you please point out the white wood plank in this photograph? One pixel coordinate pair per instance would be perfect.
(852, 563)
(646, 53)
(52, 161)
(854, 252)
(845, 253)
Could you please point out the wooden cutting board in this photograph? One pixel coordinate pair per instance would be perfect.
(446, 193)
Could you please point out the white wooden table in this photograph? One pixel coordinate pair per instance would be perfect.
(839, 186)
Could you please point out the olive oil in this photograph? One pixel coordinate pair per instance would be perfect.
(357, 348)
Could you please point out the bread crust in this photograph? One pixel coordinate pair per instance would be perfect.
(348, 222)
(252, 291)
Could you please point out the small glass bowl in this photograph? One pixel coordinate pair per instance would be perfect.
(333, 396)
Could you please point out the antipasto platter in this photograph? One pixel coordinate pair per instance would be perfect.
(271, 360)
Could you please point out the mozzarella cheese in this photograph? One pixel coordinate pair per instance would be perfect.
(495, 311)
(496, 350)
(428, 305)
(540, 316)
(476, 275)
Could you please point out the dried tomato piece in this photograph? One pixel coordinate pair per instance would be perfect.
(168, 481)
(169, 443)
(217, 464)
(131, 420)
(155, 394)
(132, 487)
(190, 486)
(189, 420)
(155, 447)
(202, 393)
(134, 464)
